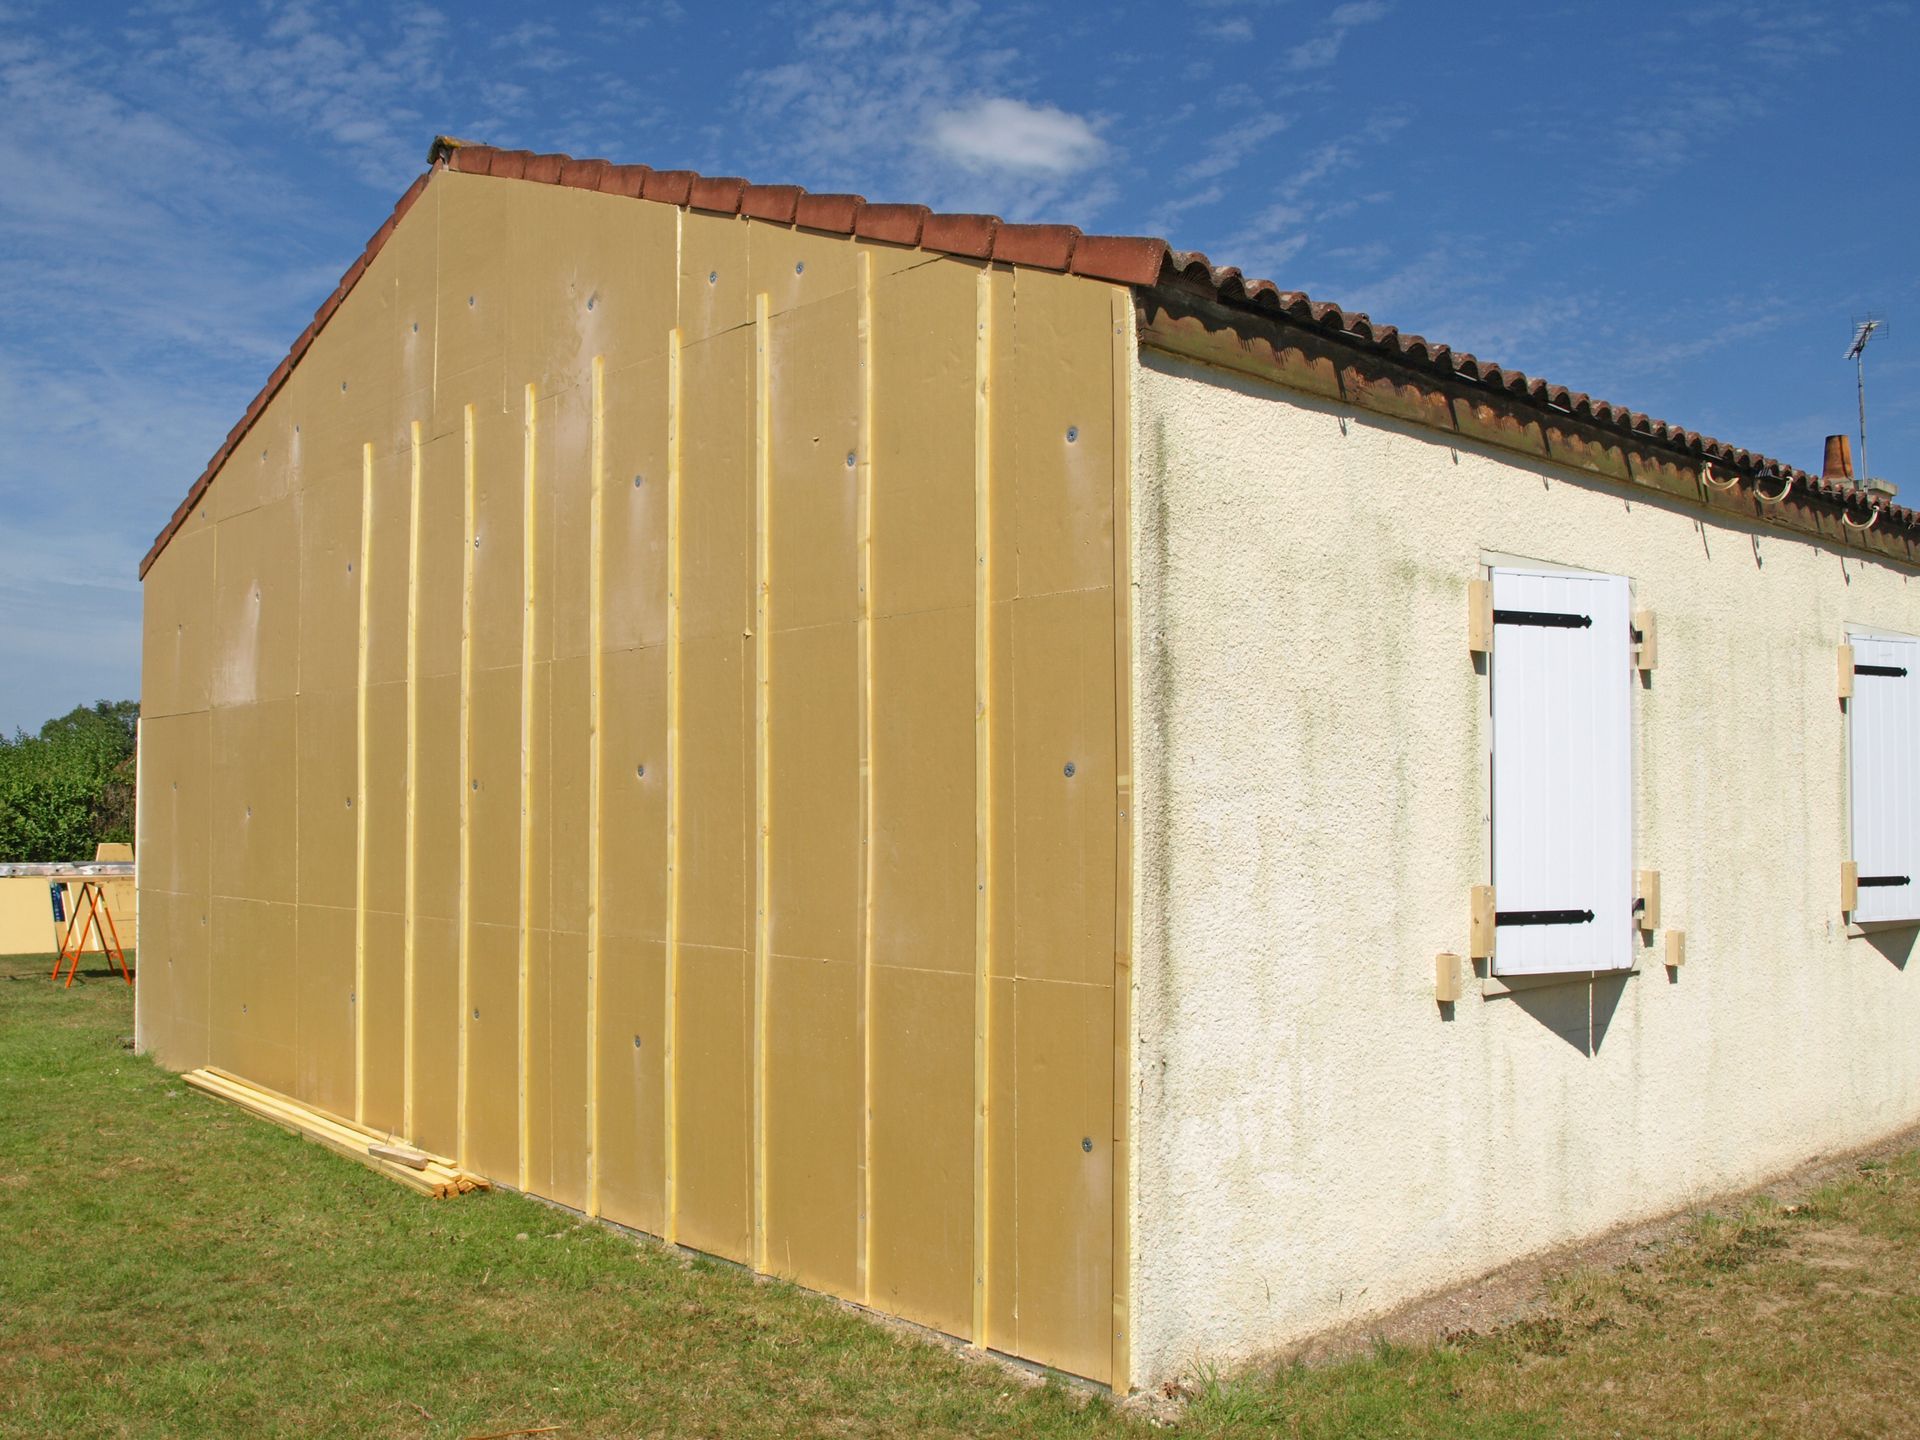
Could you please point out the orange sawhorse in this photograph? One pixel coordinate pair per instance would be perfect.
(98, 921)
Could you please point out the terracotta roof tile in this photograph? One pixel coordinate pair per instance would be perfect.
(771, 202)
(828, 212)
(1045, 247)
(720, 193)
(1139, 261)
(891, 224)
(960, 234)
(379, 237)
(628, 180)
(1127, 259)
(583, 174)
(669, 187)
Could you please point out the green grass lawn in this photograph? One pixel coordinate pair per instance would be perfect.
(170, 1266)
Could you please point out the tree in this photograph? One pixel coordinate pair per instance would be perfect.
(70, 787)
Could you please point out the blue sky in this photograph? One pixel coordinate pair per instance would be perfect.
(1677, 207)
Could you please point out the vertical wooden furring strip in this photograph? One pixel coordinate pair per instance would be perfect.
(140, 844)
(762, 657)
(360, 797)
(469, 537)
(670, 1008)
(982, 777)
(525, 981)
(863, 915)
(413, 771)
(1125, 354)
(596, 585)
(670, 1002)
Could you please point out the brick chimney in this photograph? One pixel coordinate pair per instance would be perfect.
(1838, 469)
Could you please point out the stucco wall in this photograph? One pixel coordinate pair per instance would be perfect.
(1315, 1139)
(27, 926)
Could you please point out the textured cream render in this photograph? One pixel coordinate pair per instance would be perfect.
(1315, 1139)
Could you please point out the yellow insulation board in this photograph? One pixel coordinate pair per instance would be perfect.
(643, 719)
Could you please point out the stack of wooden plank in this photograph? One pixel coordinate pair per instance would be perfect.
(432, 1175)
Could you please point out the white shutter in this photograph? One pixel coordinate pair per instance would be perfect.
(1562, 772)
(1883, 744)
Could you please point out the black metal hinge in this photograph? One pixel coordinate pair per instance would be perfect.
(1551, 618)
(1895, 670)
(1882, 881)
(1546, 917)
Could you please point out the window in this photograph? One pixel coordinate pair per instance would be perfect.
(1562, 680)
(1883, 746)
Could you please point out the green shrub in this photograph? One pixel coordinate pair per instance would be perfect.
(70, 787)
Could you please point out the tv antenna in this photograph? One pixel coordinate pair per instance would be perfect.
(1863, 331)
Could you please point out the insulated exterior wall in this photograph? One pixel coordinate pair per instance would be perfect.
(639, 715)
(1316, 1139)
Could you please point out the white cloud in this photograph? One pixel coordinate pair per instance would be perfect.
(915, 100)
(1227, 150)
(1165, 219)
(1316, 53)
(1272, 237)
(1238, 28)
(1003, 134)
(1319, 51)
(630, 19)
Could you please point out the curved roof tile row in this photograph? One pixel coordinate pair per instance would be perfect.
(1134, 260)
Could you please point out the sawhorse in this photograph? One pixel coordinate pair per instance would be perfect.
(98, 920)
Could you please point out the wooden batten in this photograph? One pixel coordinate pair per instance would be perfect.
(428, 1174)
(1646, 895)
(1646, 641)
(1480, 922)
(1480, 616)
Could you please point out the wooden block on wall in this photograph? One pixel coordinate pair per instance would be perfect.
(1844, 678)
(1646, 891)
(1676, 949)
(1480, 616)
(1446, 978)
(1849, 886)
(1646, 642)
(1481, 924)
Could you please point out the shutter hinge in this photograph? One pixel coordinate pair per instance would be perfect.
(1646, 641)
(1550, 619)
(1543, 917)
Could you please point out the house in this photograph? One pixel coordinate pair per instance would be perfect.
(953, 761)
